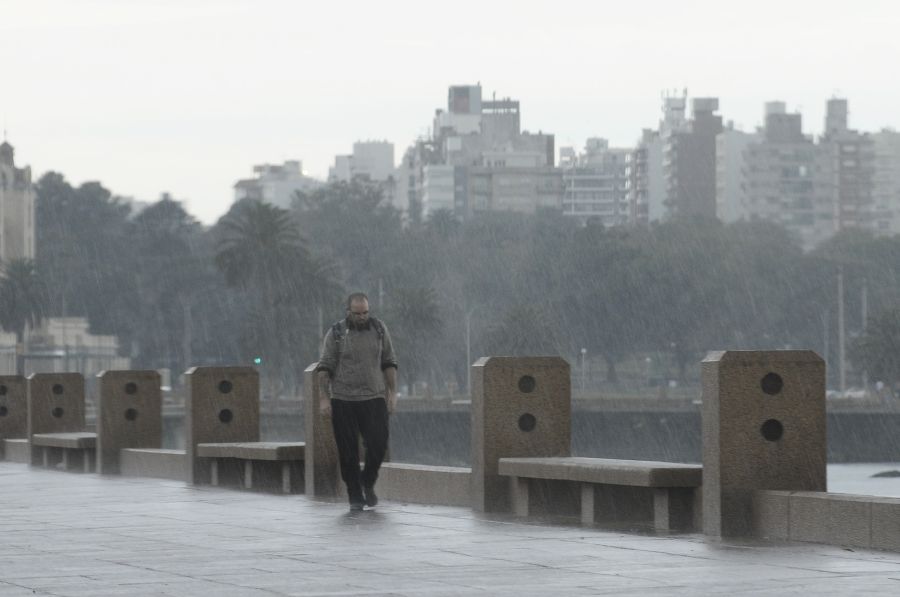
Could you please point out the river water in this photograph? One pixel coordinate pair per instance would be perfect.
(857, 478)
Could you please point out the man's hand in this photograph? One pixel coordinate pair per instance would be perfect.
(390, 383)
(391, 402)
(324, 402)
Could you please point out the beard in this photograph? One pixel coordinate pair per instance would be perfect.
(352, 325)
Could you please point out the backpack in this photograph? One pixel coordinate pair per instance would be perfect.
(338, 330)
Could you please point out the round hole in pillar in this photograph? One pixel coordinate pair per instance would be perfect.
(131, 388)
(527, 384)
(57, 412)
(226, 415)
(527, 422)
(3, 411)
(3, 390)
(225, 386)
(771, 383)
(58, 389)
(131, 414)
(772, 430)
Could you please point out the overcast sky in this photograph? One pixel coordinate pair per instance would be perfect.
(185, 96)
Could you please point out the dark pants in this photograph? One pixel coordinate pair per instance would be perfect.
(368, 418)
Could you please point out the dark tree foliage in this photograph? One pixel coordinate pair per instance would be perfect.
(264, 283)
(23, 297)
(878, 349)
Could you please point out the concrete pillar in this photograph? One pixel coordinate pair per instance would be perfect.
(521, 407)
(763, 428)
(13, 408)
(320, 455)
(221, 406)
(55, 405)
(129, 415)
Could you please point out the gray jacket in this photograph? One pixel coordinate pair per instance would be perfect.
(356, 362)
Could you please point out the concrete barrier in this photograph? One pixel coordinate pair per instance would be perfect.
(13, 409)
(321, 469)
(833, 518)
(423, 484)
(56, 406)
(153, 462)
(222, 405)
(129, 415)
(521, 407)
(763, 428)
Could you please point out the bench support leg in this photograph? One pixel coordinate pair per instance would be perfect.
(65, 459)
(45, 456)
(87, 460)
(214, 472)
(248, 474)
(673, 508)
(587, 503)
(286, 477)
(519, 495)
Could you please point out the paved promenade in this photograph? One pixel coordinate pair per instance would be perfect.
(71, 534)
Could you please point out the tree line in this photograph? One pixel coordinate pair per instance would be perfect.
(263, 283)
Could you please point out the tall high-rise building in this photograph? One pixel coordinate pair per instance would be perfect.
(16, 208)
(886, 182)
(651, 164)
(689, 162)
(785, 178)
(595, 184)
(852, 168)
(731, 202)
(371, 161)
(494, 164)
(644, 179)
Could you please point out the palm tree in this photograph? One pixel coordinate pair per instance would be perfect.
(23, 300)
(259, 241)
(261, 252)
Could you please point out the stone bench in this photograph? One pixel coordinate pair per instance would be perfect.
(671, 485)
(82, 443)
(289, 455)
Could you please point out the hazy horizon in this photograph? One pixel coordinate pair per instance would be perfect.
(186, 97)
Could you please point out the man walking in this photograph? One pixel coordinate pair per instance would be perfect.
(358, 371)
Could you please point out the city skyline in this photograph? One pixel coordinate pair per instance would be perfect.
(162, 97)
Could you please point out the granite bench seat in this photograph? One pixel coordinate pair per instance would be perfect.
(289, 454)
(70, 441)
(82, 442)
(673, 485)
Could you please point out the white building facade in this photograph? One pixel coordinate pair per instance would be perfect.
(16, 208)
(276, 184)
(595, 184)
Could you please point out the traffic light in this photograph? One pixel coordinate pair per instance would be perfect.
(257, 360)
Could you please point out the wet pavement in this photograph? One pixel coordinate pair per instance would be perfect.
(86, 535)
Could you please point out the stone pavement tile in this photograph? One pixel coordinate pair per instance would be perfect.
(835, 587)
(7, 590)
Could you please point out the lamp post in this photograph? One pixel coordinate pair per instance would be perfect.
(583, 367)
(469, 352)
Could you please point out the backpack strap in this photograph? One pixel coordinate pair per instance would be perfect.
(379, 328)
(337, 332)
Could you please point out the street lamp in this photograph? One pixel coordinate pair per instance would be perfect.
(583, 367)
(469, 351)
